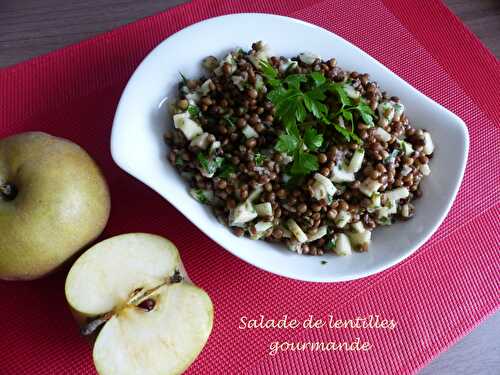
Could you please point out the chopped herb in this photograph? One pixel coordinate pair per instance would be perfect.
(227, 171)
(323, 262)
(330, 244)
(329, 199)
(193, 111)
(199, 195)
(178, 161)
(230, 121)
(259, 159)
(403, 146)
(392, 157)
(318, 78)
(210, 165)
(385, 221)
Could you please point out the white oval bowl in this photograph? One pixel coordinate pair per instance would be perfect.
(141, 118)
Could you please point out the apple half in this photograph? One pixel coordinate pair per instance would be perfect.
(132, 294)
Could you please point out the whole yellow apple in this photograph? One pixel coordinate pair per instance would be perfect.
(54, 200)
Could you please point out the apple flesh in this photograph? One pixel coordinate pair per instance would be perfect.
(133, 294)
(53, 201)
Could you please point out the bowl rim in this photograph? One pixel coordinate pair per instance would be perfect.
(117, 155)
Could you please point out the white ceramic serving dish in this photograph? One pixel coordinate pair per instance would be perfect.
(141, 119)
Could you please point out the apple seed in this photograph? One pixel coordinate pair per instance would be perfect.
(148, 304)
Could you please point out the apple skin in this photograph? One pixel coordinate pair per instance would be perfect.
(62, 204)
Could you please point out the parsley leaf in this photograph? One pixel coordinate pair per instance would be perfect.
(294, 97)
(269, 73)
(365, 112)
(294, 80)
(287, 143)
(276, 95)
(342, 95)
(313, 105)
(312, 139)
(348, 117)
(304, 163)
(318, 78)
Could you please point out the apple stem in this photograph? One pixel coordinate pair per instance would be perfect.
(176, 277)
(8, 191)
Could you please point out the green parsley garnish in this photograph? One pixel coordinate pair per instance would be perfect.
(323, 262)
(227, 168)
(298, 95)
(210, 165)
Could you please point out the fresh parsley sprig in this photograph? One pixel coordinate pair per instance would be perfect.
(294, 97)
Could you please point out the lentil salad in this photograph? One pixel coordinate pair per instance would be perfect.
(297, 150)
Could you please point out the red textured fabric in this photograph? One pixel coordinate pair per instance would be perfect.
(437, 295)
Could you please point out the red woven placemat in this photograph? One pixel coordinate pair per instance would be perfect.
(436, 296)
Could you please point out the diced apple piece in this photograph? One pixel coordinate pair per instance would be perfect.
(320, 232)
(200, 141)
(189, 128)
(322, 188)
(369, 187)
(241, 214)
(356, 161)
(249, 132)
(342, 245)
(382, 134)
(360, 238)
(343, 217)
(296, 230)
(397, 194)
(425, 169)
(264, 209)
(339, 175)
(428, 144)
